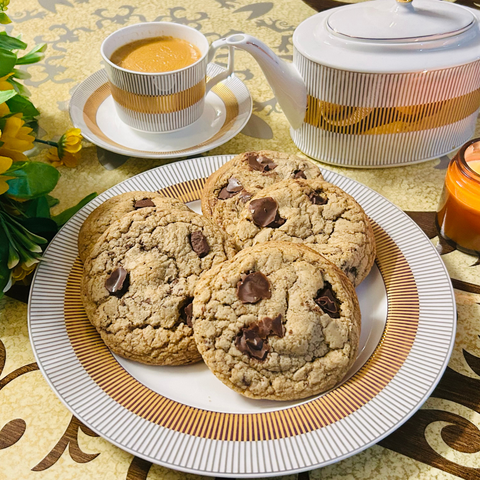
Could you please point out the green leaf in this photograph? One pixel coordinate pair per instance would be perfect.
(52, 201)
(38, 207)
(4, 20)
(35, 179)
(13, 257)
(19, 88)
(45, 227)
(15, 166)
(7, 95)
(11, 43)
(21, 74)
(7, 61)
(30, 58)
(4, 252)
(63, 217)
(17, 228)
(23, 105)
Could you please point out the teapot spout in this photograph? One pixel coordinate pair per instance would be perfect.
(284, 79)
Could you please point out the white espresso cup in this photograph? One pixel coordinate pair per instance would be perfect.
(164, 101)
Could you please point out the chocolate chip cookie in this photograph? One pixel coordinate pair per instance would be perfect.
(139, 280)
(315, 213)
(278, 322)
(229, 188)
(113, 209)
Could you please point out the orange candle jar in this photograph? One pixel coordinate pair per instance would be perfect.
(458, 217)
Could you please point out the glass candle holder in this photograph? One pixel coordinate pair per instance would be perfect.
(458, 216)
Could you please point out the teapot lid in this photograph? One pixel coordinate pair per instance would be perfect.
(400, 20)
(389, 36)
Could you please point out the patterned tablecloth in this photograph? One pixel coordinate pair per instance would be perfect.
(39, 437)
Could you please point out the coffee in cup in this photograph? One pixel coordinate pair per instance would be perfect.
(157, 54)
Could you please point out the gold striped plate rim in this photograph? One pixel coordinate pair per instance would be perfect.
(103, 92)
(390, 354)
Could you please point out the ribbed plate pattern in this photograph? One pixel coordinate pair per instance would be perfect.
(396, 401)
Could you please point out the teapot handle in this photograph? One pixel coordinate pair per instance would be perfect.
(284, 79)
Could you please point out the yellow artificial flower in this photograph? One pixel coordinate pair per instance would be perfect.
(68, 151)
(21, 271)
(4, 86)
(3, 16)
(5, 164)
(15, 138)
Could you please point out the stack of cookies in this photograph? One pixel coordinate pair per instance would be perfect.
(261, 287)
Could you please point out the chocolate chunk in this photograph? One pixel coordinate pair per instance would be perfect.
(260, 163)
(277, 327)
(316, 199)
(199, 243)
(253, 288)
(146, 202)
(186, 312)
(265, 213)
(250, 343)
(233, 187)
(268, 326)
(118, 282)
(245, 196)
(327, 301)
(252, 340)
(299, 174)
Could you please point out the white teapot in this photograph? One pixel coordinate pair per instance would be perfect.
(378, 83)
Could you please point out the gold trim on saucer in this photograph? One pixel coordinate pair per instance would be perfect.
(388, 357)
(101, 94)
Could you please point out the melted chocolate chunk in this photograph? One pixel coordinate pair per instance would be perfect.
(146, 202)
(253, 288)
(268, 326)
(250, 343)
(118, 282)
(327, 301)
(186, 312)
(245, 196)
(299, 174)
(316, 199)
(260, 163)
(265, 213)
(252, 340)
(233, 187)
(199, 243)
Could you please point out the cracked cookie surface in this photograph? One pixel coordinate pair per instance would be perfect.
(139, 280)
(113, 209)
(295, 336)
(315, 213)
(232, 185)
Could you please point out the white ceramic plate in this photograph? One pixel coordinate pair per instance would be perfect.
(186, 419)
(228, 107)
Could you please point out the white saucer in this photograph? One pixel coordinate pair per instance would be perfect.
(228, 107)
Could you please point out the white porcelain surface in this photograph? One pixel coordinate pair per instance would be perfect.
(318, 43)
(205, 127)
(392, 20)
(193, 139)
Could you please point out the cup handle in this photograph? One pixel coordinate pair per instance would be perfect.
(211, 54)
